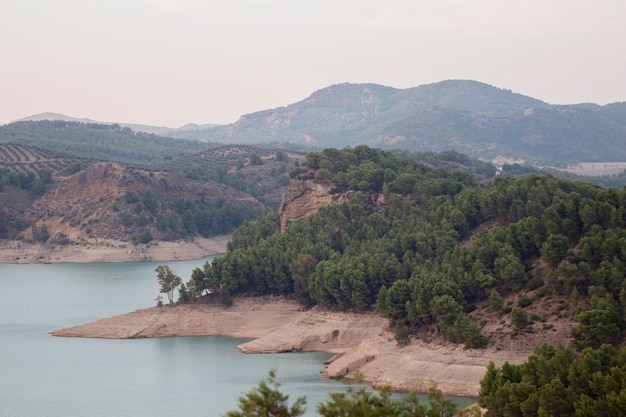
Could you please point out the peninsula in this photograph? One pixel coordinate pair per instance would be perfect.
(360, 342)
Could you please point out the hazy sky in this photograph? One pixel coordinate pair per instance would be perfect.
(170, 62)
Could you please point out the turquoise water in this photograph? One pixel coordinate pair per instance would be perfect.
(42, 375)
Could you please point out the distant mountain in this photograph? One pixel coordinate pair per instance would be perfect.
(156, 130)
(468, 116)
(478, 119)
(53, 116)
(350, 114)
(557, 135)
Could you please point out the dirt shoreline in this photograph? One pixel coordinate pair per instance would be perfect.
(103, 250)
(360, 342)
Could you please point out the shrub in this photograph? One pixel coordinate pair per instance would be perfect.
(524, 302)
(519, 317)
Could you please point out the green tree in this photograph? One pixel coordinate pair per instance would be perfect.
(519, 317)
(554, 249)
(363, 402)
(301, 268)
(266, 400)
(556, 382)
(601, 323)
(495, 300)
(45, 175)
(255, 159)
(168, 281)
(184, 295)
(145, 236)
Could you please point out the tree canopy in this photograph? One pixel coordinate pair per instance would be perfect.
(557, 382)
(426, 245)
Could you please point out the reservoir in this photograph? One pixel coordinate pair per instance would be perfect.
(42, 375)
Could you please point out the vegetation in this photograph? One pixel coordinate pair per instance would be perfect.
(557, 382)
(262, 173)
(30, 161)
(188, 202)
(96, 141)
(57, 145)
(149, 213)
(168, 281)
(427, 245)
(266, 400)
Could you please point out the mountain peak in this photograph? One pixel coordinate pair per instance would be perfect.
(53, 116)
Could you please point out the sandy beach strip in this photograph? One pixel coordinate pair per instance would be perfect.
(100, 250)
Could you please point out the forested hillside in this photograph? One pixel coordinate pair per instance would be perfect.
(431, 246)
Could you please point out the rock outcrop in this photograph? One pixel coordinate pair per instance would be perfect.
(305, 197)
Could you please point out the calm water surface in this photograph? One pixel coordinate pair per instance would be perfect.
(41, 375)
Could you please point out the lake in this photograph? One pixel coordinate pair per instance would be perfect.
(42, 375)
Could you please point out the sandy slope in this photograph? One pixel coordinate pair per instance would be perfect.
(361, 342)
(99, 250)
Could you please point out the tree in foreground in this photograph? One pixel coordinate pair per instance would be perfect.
(168, 281)
(267, 401)
(557, 382)
(366, 403)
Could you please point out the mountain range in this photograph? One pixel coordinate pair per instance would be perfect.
(475, 118)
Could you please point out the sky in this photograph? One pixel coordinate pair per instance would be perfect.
(172, 62)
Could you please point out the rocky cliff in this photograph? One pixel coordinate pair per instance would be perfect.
(305, 197)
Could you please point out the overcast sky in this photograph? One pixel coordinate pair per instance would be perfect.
(171, 62)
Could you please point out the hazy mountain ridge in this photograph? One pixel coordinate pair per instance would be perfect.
(481, 120)
(557, 135)
(351, 114)
(472, 117)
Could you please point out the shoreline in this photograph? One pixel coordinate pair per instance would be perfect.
(361, 343)
(103, 250)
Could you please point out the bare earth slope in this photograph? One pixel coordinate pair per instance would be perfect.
(360, 342)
